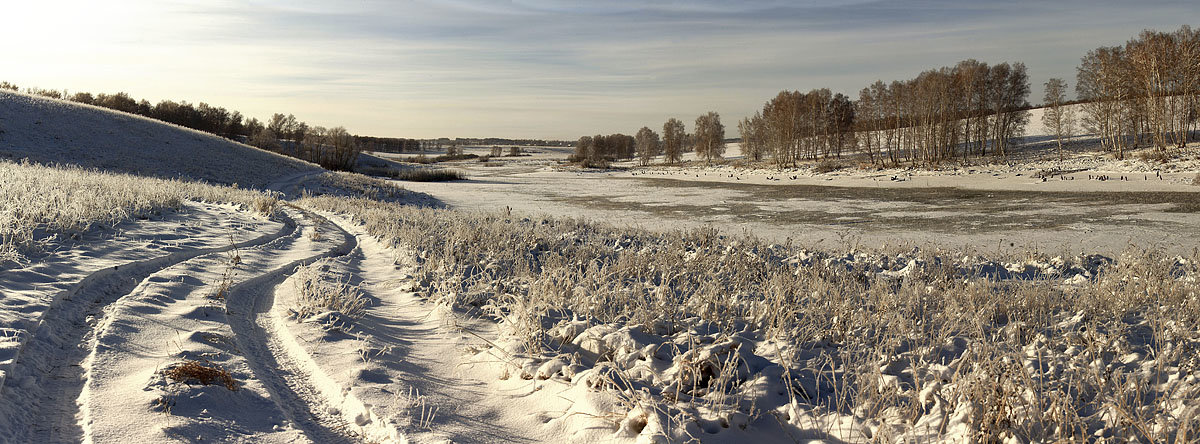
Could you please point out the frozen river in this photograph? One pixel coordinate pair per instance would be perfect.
(832, 216)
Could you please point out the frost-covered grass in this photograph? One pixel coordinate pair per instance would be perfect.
(319, 293)
(340, 183)
(42, 202)
(699, 333)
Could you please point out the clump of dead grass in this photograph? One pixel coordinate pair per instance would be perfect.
(205, 373)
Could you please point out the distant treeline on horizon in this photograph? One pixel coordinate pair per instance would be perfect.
(232, 124)
(1145, 93)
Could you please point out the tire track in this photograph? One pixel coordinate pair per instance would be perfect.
(43, 390)
(250, 304)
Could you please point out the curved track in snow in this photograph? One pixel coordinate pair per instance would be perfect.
(48, 376)
(249, 305)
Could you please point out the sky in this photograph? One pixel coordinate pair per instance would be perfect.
(550, 69)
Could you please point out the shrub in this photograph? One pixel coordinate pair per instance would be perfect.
(352, 184)
(429, 175)
(1154, 155)
(828, 166)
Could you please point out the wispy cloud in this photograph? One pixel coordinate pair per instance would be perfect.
(537, 68)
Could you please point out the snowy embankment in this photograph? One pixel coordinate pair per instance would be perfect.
(53, 131)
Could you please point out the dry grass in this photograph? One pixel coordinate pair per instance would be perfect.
(428, 175)
(318, 292)
(205, 373)
(358, 185)
(1030, 346)
(41, 202)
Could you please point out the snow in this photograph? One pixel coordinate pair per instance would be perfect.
(92, 328)
(47, 130)
(981, 208)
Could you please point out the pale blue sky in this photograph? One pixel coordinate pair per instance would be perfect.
(536, 68)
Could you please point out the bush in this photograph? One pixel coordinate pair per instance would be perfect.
(588, 163)
(429, 175)
(1153, 155)
(450, 157)
(828, 166)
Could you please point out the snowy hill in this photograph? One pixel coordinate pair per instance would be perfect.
(54, 131)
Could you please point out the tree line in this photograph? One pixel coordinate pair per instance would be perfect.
(332, 148)
(949, 113)
(600, 149)
(388, 144)
(1145, 92)
(942, 114)
(708, 141)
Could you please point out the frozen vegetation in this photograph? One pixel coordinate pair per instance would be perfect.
(308, 306)
(702, 335)
(44, 203)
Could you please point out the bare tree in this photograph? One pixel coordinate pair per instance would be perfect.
(1100, 85)
(1060, 119)
(266, 139)
(710, 136)
(754, 136)
(673, 139)
(647, 145)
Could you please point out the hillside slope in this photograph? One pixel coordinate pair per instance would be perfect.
(53, 131)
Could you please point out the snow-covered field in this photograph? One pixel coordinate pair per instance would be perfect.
(707, 303)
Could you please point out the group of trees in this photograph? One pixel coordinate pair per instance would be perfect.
(388, 144)
(600, 149)
(795, 125)
(942, 114)
(951, 112)
(1144, 92)
(333, 148)
(708, 140)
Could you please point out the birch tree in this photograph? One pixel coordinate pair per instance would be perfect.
(1058, 118)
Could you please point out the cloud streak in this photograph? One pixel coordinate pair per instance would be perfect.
(538, 68)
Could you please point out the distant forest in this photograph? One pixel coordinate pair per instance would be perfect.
(332, 148)
(1145, 93)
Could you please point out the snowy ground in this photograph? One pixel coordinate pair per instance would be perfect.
(53, 131)
(981, 208)
(338, 320)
